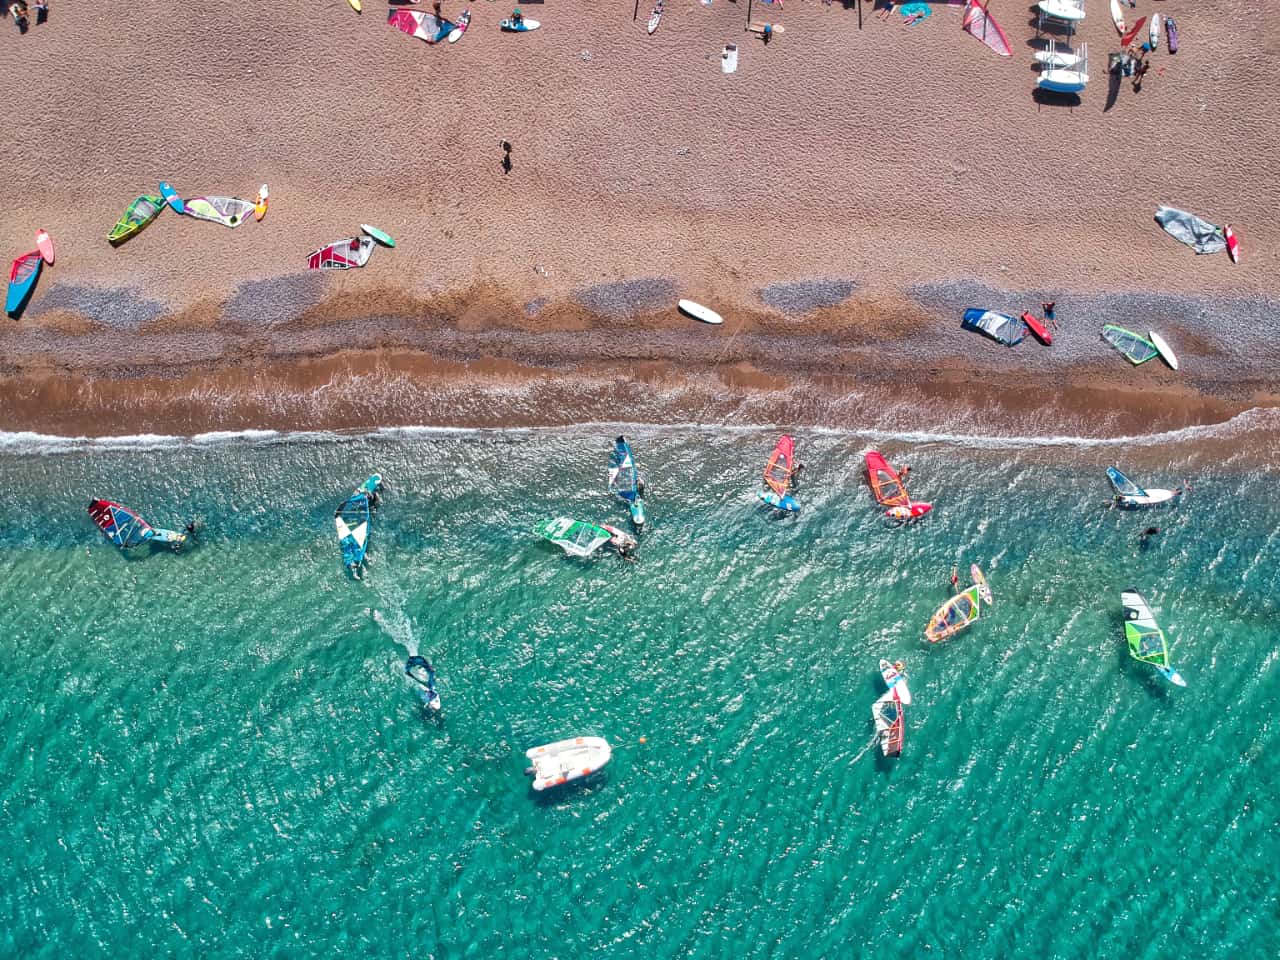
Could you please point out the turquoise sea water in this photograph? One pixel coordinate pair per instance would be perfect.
(217, 754)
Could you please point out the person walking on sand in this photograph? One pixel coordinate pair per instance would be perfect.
(1047, 309)
(506, 157)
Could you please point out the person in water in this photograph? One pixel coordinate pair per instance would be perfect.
(955, 578)
(430, 696)
(1147, 534)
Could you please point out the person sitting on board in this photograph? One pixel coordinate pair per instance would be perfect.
(517, 18)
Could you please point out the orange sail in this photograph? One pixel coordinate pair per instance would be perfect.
(885, 482)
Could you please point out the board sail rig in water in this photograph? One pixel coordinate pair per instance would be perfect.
(961, 610)
(1136, 349)
(1146, 640)
(126, 529)
(574, 537)
(889, 490)
(625, 481)
(1129, 494)
(887, 714)
(779, 474)
(420, 671)
(353, 520)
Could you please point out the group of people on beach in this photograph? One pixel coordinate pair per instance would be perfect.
(22, 16)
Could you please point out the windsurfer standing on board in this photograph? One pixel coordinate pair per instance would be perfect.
(955, 577)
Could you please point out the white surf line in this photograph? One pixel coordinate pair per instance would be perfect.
(28, 442)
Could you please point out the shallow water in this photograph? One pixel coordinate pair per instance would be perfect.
(218, 752)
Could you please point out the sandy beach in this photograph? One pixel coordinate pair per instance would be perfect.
(840, 199)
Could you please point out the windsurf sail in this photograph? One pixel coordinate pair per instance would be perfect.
(122, 526)
(574, 537)
(885, 482)
(624, 478)
(352, 521)
(22, 280)
(1135, 348)
(342, 255)
(421, 672)
(778, 469)
(979, 22)
(998, 326)
(227, 211)
(1196, 232)
(1123, 485)
(424, 26)
(136, 216)
(961, 610)
(887, 714)
(1145, 638)
(126, 529)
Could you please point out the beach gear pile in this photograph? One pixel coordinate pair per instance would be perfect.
(227, 211)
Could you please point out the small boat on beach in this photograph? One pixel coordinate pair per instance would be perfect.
(126, 529)
(778, 471)
(961, 610)
(1146, 640)
(567, 760)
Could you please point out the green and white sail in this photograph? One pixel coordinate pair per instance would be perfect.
(575, 537)
(1135, 348)
(1147, 643)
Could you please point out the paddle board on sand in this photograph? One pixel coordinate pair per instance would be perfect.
(699, 312)
(260, 204)
(755, 26)
(171, 197)
(729, 58)
(1040, 331)
(1117, 16)
(382, 238)
(44, 243)
(456, 33)
(524, 26)
(1233, 245)
(1153, 31)
(356, 5)
(1166, 354)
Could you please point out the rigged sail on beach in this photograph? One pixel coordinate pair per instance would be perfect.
(1146, 640)
(136, 216)
(1135, 348)
(424, 26)
(22, 280)
(979, 23)
(342, 255)
(227, 211)
(961, 610)
(998, 326)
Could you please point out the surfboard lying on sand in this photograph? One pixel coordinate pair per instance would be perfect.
(1117, 16)
(44, 243)
(699, 312)
(1162, 348)
(756, 26)
(1233, 245)
(524, 26)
